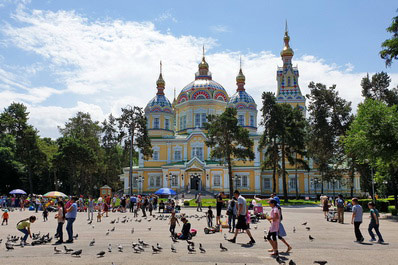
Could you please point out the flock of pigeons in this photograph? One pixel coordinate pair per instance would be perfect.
(140, 246)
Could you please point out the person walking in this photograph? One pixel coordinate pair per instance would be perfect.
(231, 212)
(374, 223)
(241, 213)
(340, 203)
(325, 205)
(24, 227)
(282, 232)
(60, 216)
(199, 203)
(70, 216)
(274, 218)
(90, 209)
(219, 205)
(356, 219)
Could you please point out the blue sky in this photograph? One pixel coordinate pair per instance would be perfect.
(59, 57)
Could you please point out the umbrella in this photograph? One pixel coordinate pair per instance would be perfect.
(17, 191)
(165, 191)
(54, 194)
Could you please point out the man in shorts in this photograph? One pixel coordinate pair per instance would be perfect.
(241, 213)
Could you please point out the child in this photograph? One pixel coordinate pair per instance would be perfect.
(210, 217)
(374, 223)
(173, 222)
(24, 227)
(5, 217)
(273, 231)
(357, 219)
(135, 210)
(45, 214)
(60, 216)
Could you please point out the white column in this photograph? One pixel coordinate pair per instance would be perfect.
(257, 183)
(168, 152)
(256, 154)
(164, 173)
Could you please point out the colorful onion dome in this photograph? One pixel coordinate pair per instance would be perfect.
(159, 103)
(241, 97)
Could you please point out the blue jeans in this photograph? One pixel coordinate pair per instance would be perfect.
(69, 228)
(25, 231)
(59, 231)
(231, 221)
(373, 225)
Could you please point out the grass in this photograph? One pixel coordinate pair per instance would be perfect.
(212, 202)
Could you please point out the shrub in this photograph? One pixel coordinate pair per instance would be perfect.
(392, 210)
(381, 205)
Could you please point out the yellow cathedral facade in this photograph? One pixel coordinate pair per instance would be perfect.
(181, 160)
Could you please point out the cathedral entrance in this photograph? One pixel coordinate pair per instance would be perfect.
(195, 181)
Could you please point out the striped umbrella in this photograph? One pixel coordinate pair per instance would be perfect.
(54, 194)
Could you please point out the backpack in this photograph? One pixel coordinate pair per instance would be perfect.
(340, 203)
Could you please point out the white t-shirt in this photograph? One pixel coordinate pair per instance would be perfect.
(242, 200)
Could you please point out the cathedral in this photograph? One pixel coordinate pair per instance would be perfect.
(181, 160)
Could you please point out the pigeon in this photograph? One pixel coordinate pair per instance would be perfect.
(308, 228)
(132, 230)
(9, 246)
(149, 228)
(305, 223)
(202, 250)
(191, 243)
(113, 229)
(321, 262)
(92, 242)
(56, 251)
(173, 249)
(155, 250)
(225, 236)
(137, 249)
(140, 248)
(190, 250)
(158, 246)
(107, 233)
(120, 248)
(89, 223)
(101, 254)
(280, 260)
(311, 238)
(291, 262)
(74, 237)
(255, 227)
(174, 240)
(223, 248)
(67, 250)
(109, 248)
(77, 253)
(294, 229)
(93, 226)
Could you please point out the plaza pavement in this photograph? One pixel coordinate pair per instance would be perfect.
(333, 242)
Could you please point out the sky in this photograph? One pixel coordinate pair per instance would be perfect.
(61, 57)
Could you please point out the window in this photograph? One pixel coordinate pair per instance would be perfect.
(217, 180)
(152, 181)
(244, 181)
(183, 122)
(158, 180)
(252, 120)
(197, 120)
(156, 123)
(241, 120)
(292, 183)
(174, 180)
(155, 155)
(289, 83)
(167, 124)
(198, 152)
(135, 182)
(267, 184)
(204, 119)
(177, 155)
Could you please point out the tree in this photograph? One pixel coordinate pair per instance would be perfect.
(10, 168)
(373, 138)
(390, 46)
(329, 118)
(228, 140)
(377, 88)
(132, 123)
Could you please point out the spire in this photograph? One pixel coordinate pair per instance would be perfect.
(203, 66)
(240, 78)
(287, 52)
(160, 84)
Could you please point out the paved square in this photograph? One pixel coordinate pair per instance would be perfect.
(333, 242)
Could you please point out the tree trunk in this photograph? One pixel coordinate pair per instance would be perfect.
(285, 195)
(231, 183)
(297, 191)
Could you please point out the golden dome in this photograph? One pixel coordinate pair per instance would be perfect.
(287, 51)
(203, 64)
(240, 78)
(160, 82)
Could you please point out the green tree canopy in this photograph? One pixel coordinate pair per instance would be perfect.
(389, 50)
(228, 140)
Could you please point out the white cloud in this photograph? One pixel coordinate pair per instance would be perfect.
(107, 64)
(166, 15)
(219, 29)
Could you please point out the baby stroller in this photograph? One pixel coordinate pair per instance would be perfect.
(332, 215)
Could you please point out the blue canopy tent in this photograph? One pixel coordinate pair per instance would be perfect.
(165, 191)
(17, 191)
